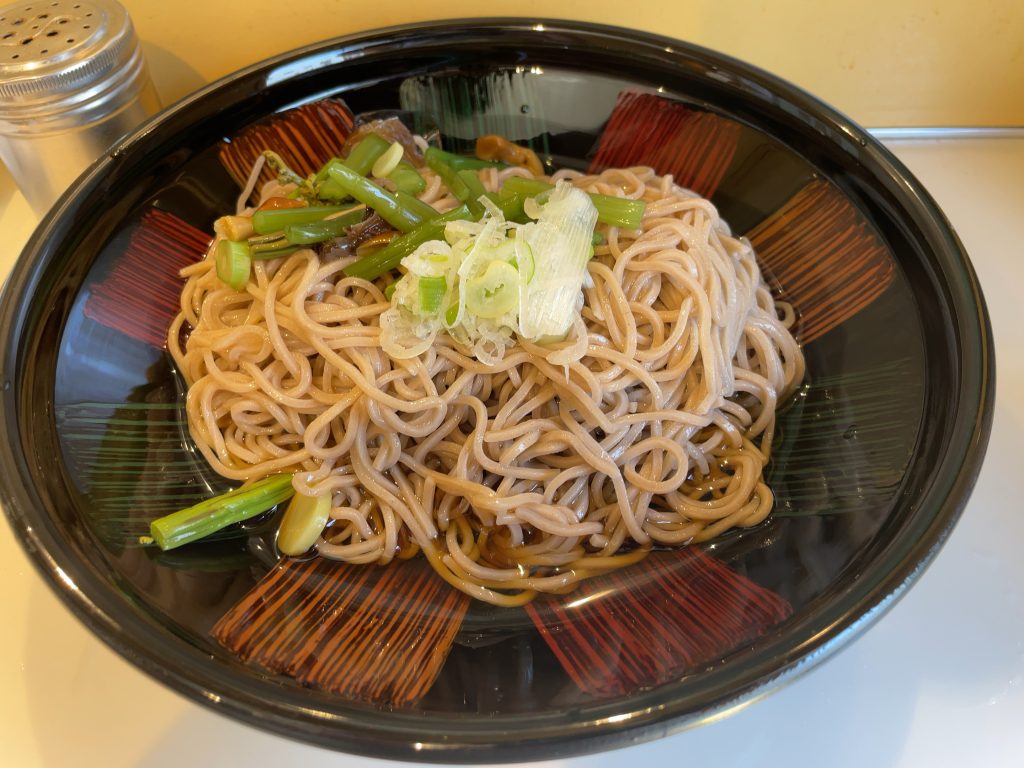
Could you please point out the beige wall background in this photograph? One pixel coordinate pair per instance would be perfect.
(883, 62)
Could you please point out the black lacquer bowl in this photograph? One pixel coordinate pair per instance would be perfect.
(875, 460)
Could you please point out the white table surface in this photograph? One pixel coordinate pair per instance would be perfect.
(939, 681)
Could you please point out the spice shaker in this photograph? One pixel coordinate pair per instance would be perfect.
(72, 82)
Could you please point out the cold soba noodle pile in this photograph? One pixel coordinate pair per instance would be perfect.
(516, 466)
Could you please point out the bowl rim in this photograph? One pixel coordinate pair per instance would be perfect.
(591, 728)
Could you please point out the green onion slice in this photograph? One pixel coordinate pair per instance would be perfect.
(495, 292)
(431, 293)
(233, 262)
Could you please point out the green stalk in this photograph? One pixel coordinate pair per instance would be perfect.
(329, 190)
(424, 210)
(233, 261)
(619, 212)
(473, 183)
(456, 184)
(511, 206)
(614, 211)
(320, 231)
(360, 159)
(366, 153)
(374, 196)
(271, 249)
(265, 222)
(449, 176)
(391, 255)
(407, 179)
(520, 185)
(461, 162)
(206, 517)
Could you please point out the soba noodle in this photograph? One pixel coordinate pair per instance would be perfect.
(520, 476)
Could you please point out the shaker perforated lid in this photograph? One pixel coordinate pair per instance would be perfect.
(55, 54)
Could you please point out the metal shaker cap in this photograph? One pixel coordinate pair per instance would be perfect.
(65, 63)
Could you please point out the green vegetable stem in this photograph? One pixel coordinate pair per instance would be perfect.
(407, 179)
(211, 515)
(233, 262)
(374, 196)
(319, 231)
(456, 183)
(391, 255)
(367, 152)
(461, 162)
(614, 211)
(274, 220)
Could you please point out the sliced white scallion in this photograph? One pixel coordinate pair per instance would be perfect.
(560, 243)
(387, 162)
(491, 280)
